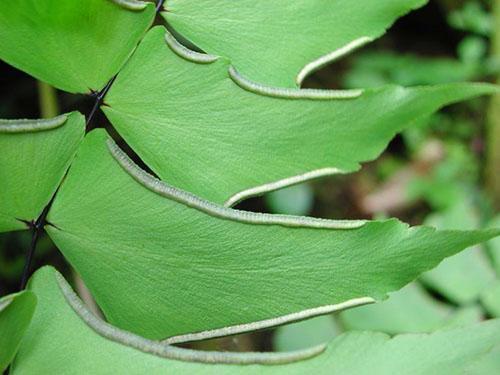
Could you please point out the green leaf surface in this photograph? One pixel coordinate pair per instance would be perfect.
(195, 127)
(487, 364)
(463, 278)
(16, 311)
(279, 42)
(99, 348)
(34, 158)
(74, 45)
(410, 310)
(181, 264)
(65, 337)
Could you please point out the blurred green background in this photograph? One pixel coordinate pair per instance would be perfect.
(445, 172)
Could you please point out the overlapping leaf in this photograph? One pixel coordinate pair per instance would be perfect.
(409, 310)
(278, 42)
(181, 264)
(306, 333)
(34, 158)
(74, 45)
(466, 279)
(198, 129)
(99, 348)
(16, 311)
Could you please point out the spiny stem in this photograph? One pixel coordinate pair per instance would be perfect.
(99, 97)
(36, 230)
(29, 257)
(49, 108)
(159, 5)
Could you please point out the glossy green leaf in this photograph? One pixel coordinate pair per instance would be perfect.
(194, 125)
(74, 45)
(34, 157)
(181, 264)
(280, 42)
(65, 337)
(16, 311)
(408, 310)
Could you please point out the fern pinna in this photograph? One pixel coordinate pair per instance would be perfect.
(211, 102)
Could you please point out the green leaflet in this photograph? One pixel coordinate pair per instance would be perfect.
(92, 346)
(16, 311)
(462, 278)
(34, 157)
(279, 42)
(74, 45)
(97, 347)
(181, 264)
(199, 130)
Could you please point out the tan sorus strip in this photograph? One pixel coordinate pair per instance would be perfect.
(219, 211)
(131, 4)
(25, 126)
(187, 54)
(164, 350)
(255, 87)
(331, 57)
(285, 93)
(5, 303)
(274, 322)
(294, 180)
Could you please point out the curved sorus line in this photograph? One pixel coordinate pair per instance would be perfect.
(255, 326)
(5, 303)
(276, 92)
(218, 211)
(331, 57)
(259, 190)
(25, 126)
(131, 4)
(186, 53)
(171, 352)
